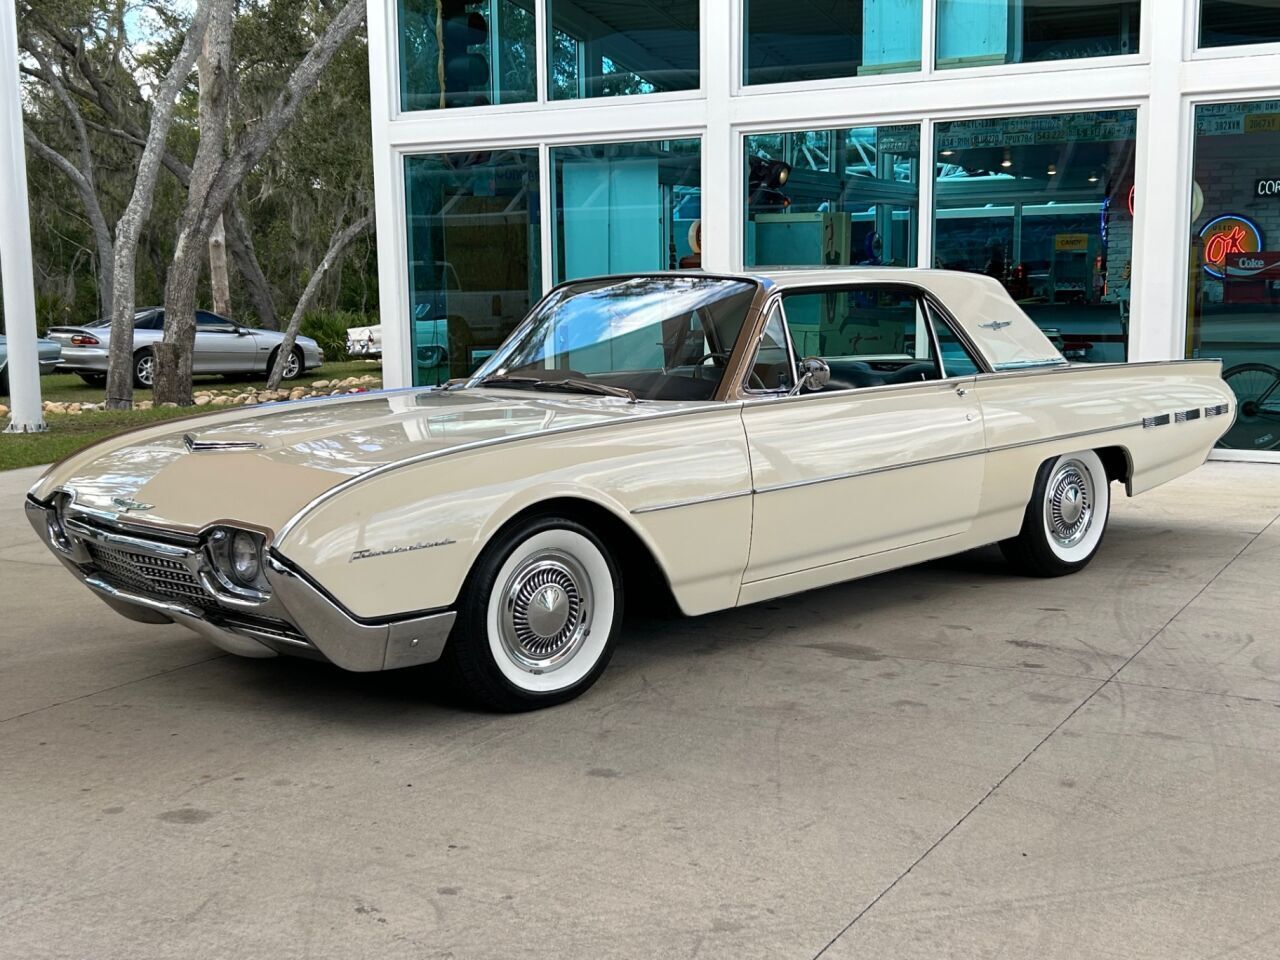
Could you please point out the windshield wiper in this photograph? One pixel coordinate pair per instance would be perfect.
(498, 380)
(574, 385)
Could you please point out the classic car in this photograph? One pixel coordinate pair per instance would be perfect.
(221, 346)
(48, 353)
(718, 440)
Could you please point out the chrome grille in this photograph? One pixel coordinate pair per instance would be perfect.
(161, 576)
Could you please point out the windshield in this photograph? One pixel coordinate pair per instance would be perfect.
(660, 338)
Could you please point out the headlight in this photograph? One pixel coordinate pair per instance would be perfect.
(246, 561)
(236, 557)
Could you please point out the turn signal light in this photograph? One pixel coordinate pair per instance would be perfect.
(84, 340)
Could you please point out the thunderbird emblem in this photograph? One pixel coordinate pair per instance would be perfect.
(996, 324)
(125, 504)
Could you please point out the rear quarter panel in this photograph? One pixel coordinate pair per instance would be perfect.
(1033, 416)
(456, 502)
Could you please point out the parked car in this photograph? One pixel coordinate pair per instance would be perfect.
(222, 346)
(48, 351)
(649, 435)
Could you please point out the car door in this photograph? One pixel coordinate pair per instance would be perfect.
(890, 454)
(220, 347)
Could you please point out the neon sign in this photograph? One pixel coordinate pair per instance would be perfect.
(1227, 236)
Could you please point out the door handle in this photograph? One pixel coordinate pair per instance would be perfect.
(962, 391)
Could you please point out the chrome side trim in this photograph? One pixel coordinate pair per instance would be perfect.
(713, 406)
(1217, 410)
(796, 484)
(870, 471)
(693, 501)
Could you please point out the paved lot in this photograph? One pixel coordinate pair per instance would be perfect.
(940, 762)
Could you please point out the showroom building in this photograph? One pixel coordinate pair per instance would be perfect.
(1114, 163)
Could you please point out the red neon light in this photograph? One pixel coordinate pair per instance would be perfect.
(1133, 199)
(1224, 244)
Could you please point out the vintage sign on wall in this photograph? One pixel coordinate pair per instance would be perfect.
(1227, 236)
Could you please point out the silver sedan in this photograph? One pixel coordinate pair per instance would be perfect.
(222, 346)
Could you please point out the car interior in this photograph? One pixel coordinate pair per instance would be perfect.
(870, 335)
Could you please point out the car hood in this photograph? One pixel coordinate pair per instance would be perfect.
(261, 466)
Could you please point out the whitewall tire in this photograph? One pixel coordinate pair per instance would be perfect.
(1065, 518)
(538, 618)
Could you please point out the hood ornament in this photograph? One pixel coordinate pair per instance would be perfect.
(124, 504)
(195, 446)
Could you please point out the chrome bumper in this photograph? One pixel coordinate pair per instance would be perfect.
(298, 618)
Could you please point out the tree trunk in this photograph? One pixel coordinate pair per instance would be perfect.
(240, 243)
(214, 181)
(173, 358)
(219, 279)
(339, 244)
(120, 361)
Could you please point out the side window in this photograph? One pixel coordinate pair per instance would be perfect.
(957, 361)
(772, 369)
(871, 335)
(210, 320)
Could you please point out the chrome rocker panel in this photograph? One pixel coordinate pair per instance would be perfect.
(298, 619)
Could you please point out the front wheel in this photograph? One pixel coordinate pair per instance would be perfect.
(292, 364)
(538, 617)
(1065, 520)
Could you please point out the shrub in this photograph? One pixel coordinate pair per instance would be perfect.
(329, 329)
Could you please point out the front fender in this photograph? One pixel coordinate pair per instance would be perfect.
(404, 540)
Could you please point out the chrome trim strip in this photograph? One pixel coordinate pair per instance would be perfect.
(81, 529)
(1159, 420)
(693, 501)
(795, 484)
(713, 406)
(1217, 410)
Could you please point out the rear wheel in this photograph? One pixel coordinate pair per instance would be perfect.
(1066, 518)
(538, 618)
(144, 369)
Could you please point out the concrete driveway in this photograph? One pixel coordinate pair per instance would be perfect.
(940, 762)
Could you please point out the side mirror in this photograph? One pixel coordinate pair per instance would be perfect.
(242, 331)
(814, 375)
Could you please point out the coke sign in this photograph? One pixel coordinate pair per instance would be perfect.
(1229, 236)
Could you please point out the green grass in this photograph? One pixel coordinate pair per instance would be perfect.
(71, 432)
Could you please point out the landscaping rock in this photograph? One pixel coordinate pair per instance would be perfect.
(168, 403)
(203, 400)
(4, 411)
(319, 384)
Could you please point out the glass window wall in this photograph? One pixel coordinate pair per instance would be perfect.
(1234, 272)
(788, 41)
(627, 207)
(466, 53)
(602, 48)
(474, 264)
(979, 33)
(832, 197)
(1045, 205)
(1233, 23)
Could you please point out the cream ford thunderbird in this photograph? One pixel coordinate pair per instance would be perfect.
(721, 439)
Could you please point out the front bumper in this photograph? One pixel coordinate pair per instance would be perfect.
(155, 579)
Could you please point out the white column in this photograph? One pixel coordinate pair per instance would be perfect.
(23, 367)
(721, 175)
(394, 311)
(1162, 214)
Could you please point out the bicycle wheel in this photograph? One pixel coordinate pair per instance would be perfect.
(1257, 390)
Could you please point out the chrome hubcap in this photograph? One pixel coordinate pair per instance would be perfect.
(146, 369)
(1068, 505)
(291, 367)
(546, 605)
